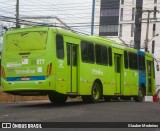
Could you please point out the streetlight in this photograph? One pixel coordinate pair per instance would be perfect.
(153, 37)
(153, 44)
(148, 43)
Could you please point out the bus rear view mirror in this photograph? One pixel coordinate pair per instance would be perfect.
(157, 66)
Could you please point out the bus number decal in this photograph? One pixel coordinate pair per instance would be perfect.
(40, 61)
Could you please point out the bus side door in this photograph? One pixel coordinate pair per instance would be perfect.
(72, 62)
(117, 60)
(150, 75)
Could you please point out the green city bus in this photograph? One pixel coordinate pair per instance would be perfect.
(58, 63)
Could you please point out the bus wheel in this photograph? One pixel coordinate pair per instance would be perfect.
(95, 96)
(140, 96)
(57, 98)
(96, 92)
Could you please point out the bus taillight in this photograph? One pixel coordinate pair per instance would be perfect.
(49, 69)
(3, 74)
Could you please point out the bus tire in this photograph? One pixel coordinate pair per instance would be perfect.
(95, 96)
(96, 92)
(141, 95)
(57, 98)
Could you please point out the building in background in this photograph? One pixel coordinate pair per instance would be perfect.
(126, 21)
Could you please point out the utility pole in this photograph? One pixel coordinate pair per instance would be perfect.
(92, 22)
(147, 30)
(17, 15)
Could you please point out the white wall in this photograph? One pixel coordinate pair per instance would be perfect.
(149, 5)
(97, 17)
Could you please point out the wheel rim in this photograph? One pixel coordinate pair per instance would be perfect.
(140, 95)
(96, 92)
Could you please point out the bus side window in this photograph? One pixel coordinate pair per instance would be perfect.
(126, 59)
(84, 51)
(87, 52)
(101, 54)
(130, 60)
(59, 47)
(90, 53)
(141, 61)
(98, 54)
(104, 55)
(133, 61)
(110, 55)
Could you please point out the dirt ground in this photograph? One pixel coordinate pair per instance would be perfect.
(7, 98)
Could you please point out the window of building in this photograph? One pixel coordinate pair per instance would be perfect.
(101, 54)
(59, 47)
(153, 46)
(133, 13)
(154, 30)
(109, 12)
(120, 30)
(122, 2)
(109, 28)
(87, 52)
(155, 1)
(132, 30)
(154, 14)
(121, 16)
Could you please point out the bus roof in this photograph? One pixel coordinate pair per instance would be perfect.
(93, 39)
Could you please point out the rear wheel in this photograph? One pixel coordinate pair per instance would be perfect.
(57, 98)
(141, 95)
(96, 93)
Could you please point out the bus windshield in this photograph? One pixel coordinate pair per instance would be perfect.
(26, 41)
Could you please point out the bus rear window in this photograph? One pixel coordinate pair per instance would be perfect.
(26, 41)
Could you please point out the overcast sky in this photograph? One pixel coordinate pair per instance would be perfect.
(75, 13)
(72, 12)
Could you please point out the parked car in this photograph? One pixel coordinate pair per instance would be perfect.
(155, 97)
